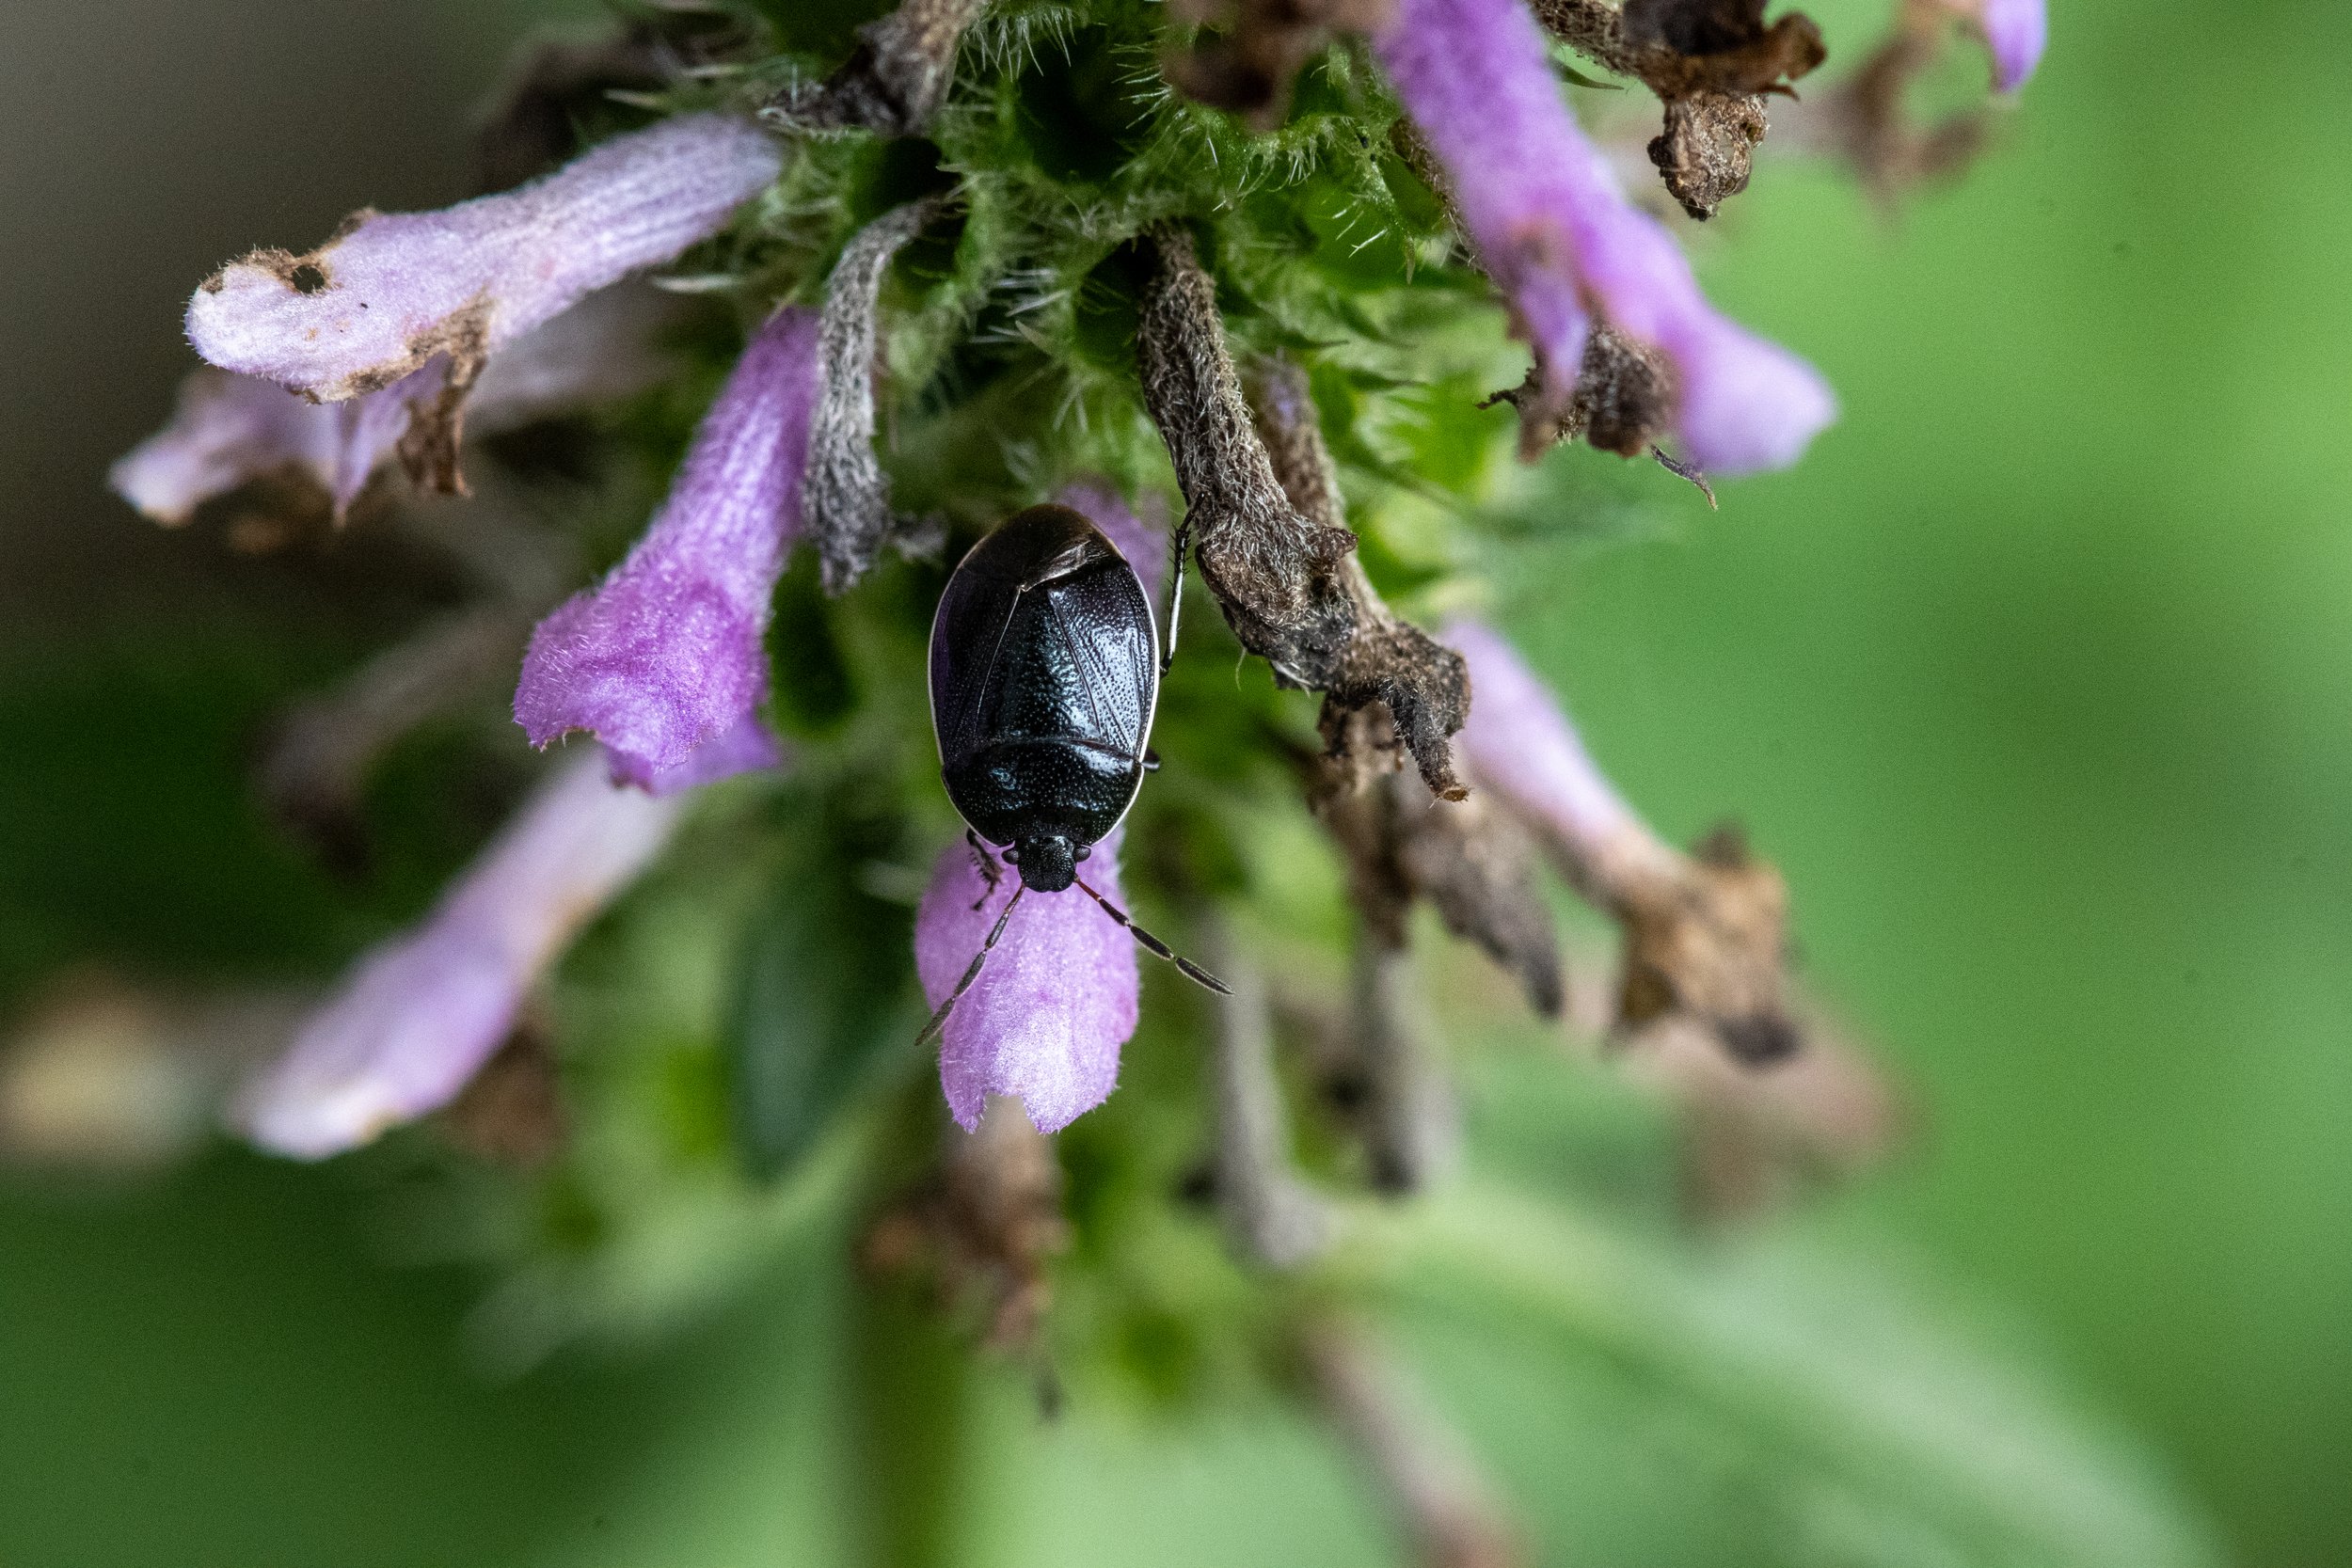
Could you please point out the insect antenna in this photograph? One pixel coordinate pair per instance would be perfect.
(1154, 945)
(939, 1018)
(1179, 547)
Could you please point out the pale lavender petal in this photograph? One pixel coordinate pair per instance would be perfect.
(418, 1016)
(1144, 545)
(1558, 236)
(390, 293)
(2016, 31)
(1047, 1018)
(1520, 744)
(751, 747)
(669, 654)
(229, 430)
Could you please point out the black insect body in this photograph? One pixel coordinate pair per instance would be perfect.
(1044, 674)
(1044, 669)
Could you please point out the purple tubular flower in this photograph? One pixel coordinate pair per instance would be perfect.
(1047, 1018)
(1145, 546)
(1520, 744)
(390, 294)
(668, 655)
(229, 430)
(1561, 241)
(418, 1016)
(2016, 31)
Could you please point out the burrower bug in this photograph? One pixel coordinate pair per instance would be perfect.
(1044, 677)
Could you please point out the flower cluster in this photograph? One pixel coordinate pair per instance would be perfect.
(377, 345)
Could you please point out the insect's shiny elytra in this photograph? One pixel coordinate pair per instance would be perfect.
(1044, 674)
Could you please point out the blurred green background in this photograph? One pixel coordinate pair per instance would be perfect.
(2034, 677)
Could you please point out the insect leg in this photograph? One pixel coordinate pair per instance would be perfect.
(989, 870)
(939, 1018)
(1179, 549)
(1155, 946)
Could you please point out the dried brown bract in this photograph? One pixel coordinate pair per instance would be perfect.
(1705, 937)
(1752, 1140)
(1276, 575)
(1623, 403)
(1712, 63)
(1251, 63)
(1867, 119)
(1624, 400)
(1385, 660)
(895, 79)
(1471, 862)
(511, 1113)
(987, 1223)
(845, 496)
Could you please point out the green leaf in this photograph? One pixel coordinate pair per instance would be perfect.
(823, 1009)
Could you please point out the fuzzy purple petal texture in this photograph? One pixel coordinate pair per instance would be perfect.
(1560, 238)
(1144, 545)
(1047, 1018)
(751, 747)
(390, 293)
(668, 655)
(1519, 743)
(229, 430)
(417, 1017)
(2016, 31)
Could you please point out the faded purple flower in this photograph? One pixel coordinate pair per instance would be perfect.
(1047, 1018)
(669, 654)
(1520, 744)
(432, 295)
(2016, 31)
(418, 1016)
(1561, 241)
(229, 430)
(1144, 545)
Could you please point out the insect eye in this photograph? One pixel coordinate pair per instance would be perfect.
(1084, 851)
(1011, 856)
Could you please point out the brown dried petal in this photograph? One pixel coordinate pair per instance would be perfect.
(895, 79)
(512, 1111)
(1276, 574)
(1712, 63)
(1708, 149)
(1387, 660)
(1868, 118)
(984, 1224)
(1473, 862)
(1706, 936)
(845, 496)
(1721, 46)
(1623, 401)
(1477, 868)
